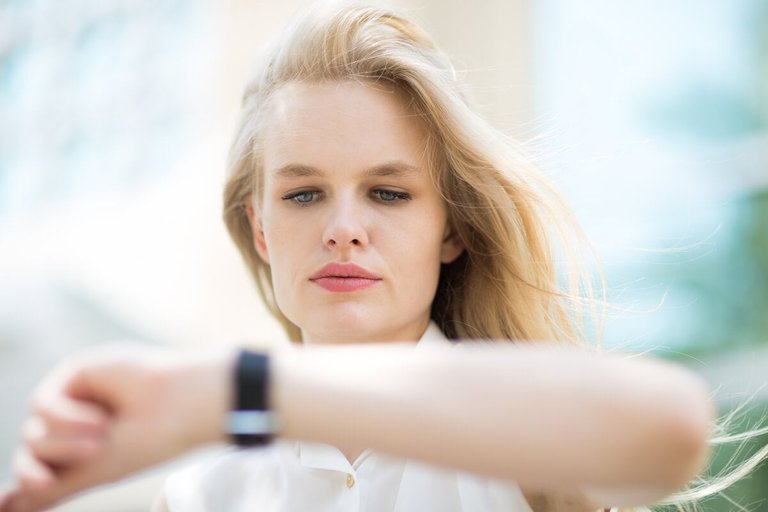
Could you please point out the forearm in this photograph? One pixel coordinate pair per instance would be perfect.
(541, 416)
(551, 420)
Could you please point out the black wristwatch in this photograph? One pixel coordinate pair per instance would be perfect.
(251, 421)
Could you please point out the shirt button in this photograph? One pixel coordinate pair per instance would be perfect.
(350, 481)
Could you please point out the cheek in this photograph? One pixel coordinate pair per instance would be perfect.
(282, 269)
(283, 230)
(421, 240)
(289, 244)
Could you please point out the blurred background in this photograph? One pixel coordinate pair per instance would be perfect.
(115, 117)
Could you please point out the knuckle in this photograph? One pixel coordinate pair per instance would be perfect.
(36, 402)
(17, 462)
(32, 430)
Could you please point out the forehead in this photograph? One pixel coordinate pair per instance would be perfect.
(347, 124)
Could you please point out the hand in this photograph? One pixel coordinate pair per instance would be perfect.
(111, 412)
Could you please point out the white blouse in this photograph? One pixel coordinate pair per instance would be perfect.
(300, 477)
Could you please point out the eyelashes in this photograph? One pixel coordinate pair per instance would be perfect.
(390, 196)
(380, 195)
(302, 198)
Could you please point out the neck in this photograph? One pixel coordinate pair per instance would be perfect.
(411, 332)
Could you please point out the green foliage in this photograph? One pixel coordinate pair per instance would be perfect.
(730, 284)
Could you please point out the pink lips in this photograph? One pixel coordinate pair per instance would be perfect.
(344, 277)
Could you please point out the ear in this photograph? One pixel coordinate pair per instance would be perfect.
(452, 246)
(258, 234)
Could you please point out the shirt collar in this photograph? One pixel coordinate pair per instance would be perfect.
(432, 337)
(322, 456)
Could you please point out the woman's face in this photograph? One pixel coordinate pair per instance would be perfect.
(350, 223)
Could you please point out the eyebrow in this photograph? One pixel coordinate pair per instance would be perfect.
(394, 168)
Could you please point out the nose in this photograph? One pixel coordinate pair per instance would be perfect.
(345, 228)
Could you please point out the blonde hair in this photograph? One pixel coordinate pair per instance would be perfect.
(523, 274)
(506, 285)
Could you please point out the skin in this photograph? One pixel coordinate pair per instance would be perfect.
(349, 185)
(90, 419)
(345, 181)
(91, 416)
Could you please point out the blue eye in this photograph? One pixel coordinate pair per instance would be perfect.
(390, 196)
(302, 198)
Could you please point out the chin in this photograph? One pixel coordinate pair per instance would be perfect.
(346, 324)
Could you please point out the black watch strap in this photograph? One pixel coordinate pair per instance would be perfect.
(251, 421)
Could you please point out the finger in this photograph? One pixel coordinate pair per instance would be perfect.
(12, 499)
(38, 486)
(63, 449)
(31, 473)
(8, 493)
(36, 493)
(65, 414)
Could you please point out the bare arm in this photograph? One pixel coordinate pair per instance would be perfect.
(625, 431)
(632, 430)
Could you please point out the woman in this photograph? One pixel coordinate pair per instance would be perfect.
(372, 207)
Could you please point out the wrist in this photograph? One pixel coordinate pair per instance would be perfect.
(204, 391)
(251, 421)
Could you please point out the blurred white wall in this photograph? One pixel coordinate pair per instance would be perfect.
(157, 256)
